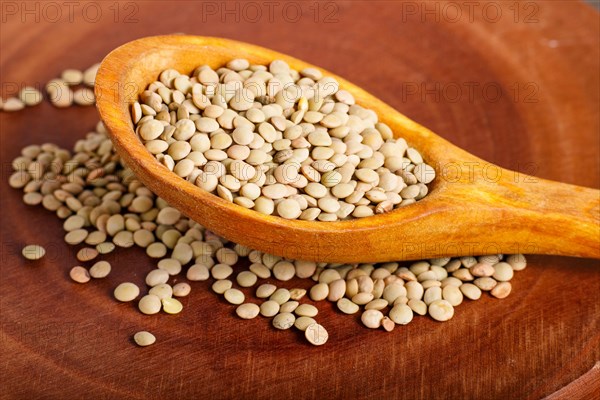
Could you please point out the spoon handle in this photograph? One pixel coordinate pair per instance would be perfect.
(540, 216)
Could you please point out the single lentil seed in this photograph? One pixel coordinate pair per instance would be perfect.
(234, 296)
(306, 310)
(347, 307)
(517, 261)
(247, 310)
(156, 277)
(453, 295)
(289, 306)
(105, 248)
(284, 320)
(269, 308)
(376, 304)
(149, 304)
(501, 290)
(470, 291)
(387, 324)
(280, 295)
(144, 338)
(372, 318)
(401, 314)
(162, 291)
(319, 292)
(502, 272)
(418, 306)
(441, 310)
(33, 252)
(181, 289)
(265, 290)
(79, 274)
(99, 270)
(302, 323)
(221, 286)
(126, 291)
(198, 272)
(87, 254)
(171, 305)
(316, 334)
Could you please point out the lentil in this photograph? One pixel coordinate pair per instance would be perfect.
(501, 290)
(316, 334)
(144, 338)
(517, 261)
(162, 291)
(297, 293)
(99, 270)
(441, 310)
(181, 289)
(197, 272)
(306, 310)
(87, 254)
(289, 306)
(171, 305)
(33, 252)
(156, 277)
(470, 291)
(302, 323)
(418, 306)
(284, 320)
(150, 304)
(387, 324)
(126, 291)
(319, 292)
(372, 318)
(79, 274)
(281, 296)
(401, 314)
(269, 308)
(453, 295)
(265, 290)
(502, 272)
(221, 286)
(234, 296)
(347, 307)
(247, 311)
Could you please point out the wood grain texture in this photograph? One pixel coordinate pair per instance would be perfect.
(581, 387)
(61, 340)
(480, 200)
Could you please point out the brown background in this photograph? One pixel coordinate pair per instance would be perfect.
(62, 340)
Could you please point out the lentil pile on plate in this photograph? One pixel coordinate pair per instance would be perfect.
(105, 208)
(278, 141)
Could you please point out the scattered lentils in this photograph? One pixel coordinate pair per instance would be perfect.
(298, 157)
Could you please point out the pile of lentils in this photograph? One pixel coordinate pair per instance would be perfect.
(105, 207)
(279, 141)
(73, 87)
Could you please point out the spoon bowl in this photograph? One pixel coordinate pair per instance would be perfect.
(473, 207)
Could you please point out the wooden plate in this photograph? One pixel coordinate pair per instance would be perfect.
(519, 88)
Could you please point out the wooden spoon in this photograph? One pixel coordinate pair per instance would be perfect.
(473, 207)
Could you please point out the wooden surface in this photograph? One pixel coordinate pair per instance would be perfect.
(505, 209)
(62, 340)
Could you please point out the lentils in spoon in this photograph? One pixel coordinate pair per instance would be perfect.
(279, 141)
